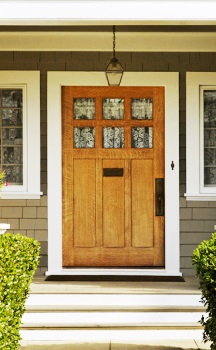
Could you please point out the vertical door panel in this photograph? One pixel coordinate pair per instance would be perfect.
(142, 203)
(113, 203)
(84, 202)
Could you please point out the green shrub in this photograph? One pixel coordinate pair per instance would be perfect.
(204, 260)
(19, 257)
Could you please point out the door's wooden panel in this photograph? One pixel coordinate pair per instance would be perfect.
(84, 202)
(113, 205)
(111, 257)
(67, 209)
(142, 203)
(159, 240)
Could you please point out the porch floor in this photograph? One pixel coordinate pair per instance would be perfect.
(39, 285)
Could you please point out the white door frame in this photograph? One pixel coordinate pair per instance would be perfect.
(171, 83)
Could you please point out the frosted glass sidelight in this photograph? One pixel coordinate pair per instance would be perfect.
(14, 173)
(209, 137)
(210, 176)
(11, 134)
(12, 155)
(11, 117)
(11, 98)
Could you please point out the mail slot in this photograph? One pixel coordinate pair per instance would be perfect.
(113, 172)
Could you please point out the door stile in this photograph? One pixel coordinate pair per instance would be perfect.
(67, 171)
(127, 203)
(99, 218)
(159, 221)
(67, 208)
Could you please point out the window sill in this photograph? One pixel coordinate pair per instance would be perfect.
(200, 197)
(21, 195)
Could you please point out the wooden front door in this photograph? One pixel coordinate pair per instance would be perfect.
(113, 176)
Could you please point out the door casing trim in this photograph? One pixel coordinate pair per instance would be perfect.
(170, 81)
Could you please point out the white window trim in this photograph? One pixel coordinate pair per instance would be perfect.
(171, 83)
(29, 81)
(195, 189)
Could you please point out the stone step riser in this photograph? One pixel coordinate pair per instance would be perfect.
(110, 319)
(91, 336)
(113, 302)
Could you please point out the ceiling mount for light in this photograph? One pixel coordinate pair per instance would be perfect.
(114, 70)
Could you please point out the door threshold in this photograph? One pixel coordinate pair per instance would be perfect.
(114, 278)
(113, 274)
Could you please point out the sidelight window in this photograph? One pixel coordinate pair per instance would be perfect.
(20, 133)
(201, 136)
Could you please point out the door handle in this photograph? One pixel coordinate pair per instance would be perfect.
(159, 197)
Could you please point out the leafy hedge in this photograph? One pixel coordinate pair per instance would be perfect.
(19, 257)
(204, 260)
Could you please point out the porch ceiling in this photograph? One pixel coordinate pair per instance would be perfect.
(86, 25)
(102, 41)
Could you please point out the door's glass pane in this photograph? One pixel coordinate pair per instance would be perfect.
(84, 108)
(12, 98)
(142, 137)
(84, 137)
(11, 117)
(141, 108)
(113, 108)
(113, 137)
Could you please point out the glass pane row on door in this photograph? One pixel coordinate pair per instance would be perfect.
(113, 137)
(113, 108)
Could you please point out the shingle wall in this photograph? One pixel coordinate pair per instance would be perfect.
(30, 216)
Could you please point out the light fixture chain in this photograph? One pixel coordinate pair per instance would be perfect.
(114, 70)
(114, 41)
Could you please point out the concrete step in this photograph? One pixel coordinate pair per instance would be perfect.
(61, 302)
(98, 335)
(74, 317)
(100, 315)
(102, 319)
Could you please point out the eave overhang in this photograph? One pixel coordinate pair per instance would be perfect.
(82, 12)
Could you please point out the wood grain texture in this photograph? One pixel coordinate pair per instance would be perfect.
(84, 184)
(113, 206)
(142, 203)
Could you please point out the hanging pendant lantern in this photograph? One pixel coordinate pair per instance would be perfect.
(114, 70)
